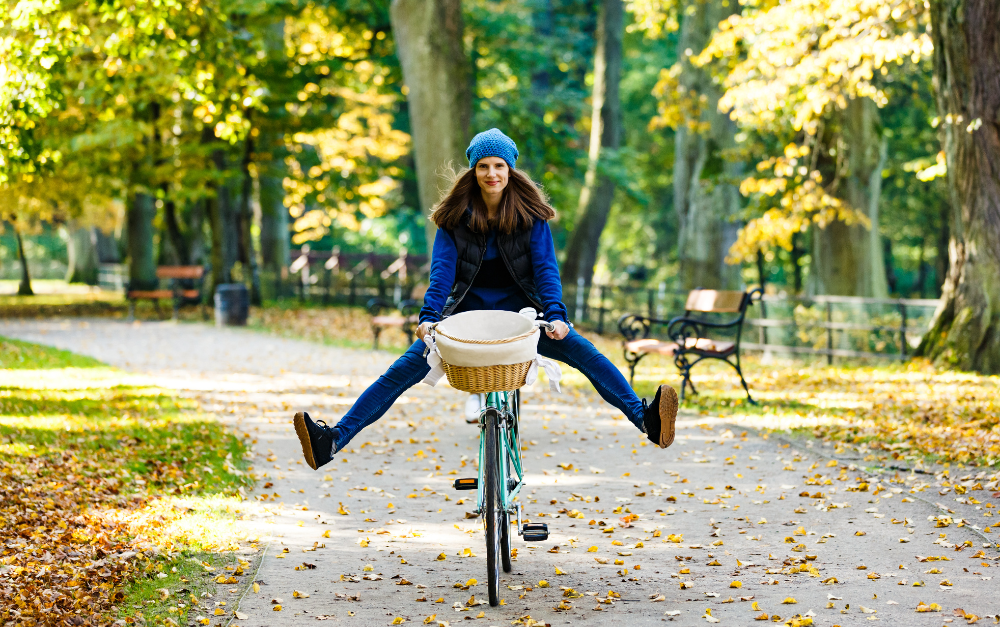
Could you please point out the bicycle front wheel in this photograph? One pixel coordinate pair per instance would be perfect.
(493, 505)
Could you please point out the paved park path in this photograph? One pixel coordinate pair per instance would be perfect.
(379, 533)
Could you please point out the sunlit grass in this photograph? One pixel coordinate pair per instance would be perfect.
(129, 466)
(191, 571)
(18, 355)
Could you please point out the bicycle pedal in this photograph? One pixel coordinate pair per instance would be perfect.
(466, 484)
(535, 532)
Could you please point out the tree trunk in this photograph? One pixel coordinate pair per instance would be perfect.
(605, 135)
(106, 247)
(83, 261)
(796, 255)
(706, 192)
(176, 237)
(197, 255)
(141, 254)
(942, 263)
(965, 332)
(24, 287)
(848, 260)
(428, 35)
(222, 220)
(274, 240)
(248, 255)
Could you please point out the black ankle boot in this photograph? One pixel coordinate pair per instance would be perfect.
(316, 439)
(660, 416)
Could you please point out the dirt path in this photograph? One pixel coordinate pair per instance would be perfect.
(379, 533)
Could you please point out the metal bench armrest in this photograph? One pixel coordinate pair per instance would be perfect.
(376, 305)
(634, 326)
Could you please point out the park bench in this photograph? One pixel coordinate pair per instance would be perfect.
(693, 337)
(185, 285)
(386, 315)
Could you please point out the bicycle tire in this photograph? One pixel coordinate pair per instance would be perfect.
(493, 507)
(505, 537)
(505, 540)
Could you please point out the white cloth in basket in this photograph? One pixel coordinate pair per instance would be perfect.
(488, 325)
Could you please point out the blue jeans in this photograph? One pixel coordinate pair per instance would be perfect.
(411, 368)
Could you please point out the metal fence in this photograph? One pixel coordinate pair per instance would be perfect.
(336, 278)
(830, 326)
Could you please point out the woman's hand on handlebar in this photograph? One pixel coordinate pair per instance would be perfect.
(423, 329)
(559, 331)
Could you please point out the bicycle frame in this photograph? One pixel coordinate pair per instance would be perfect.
(511, 473)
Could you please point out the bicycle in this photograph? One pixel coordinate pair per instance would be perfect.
(499, 480)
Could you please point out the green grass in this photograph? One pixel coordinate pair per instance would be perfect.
(18, 355)
(187, 576)
(76, 435)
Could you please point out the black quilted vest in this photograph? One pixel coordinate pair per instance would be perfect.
(515, 249)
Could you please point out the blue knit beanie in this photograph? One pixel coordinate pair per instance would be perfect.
(492, 143)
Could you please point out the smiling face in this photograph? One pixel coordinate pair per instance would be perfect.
(492, 174)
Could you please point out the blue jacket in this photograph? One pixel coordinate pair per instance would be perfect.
(545, 270)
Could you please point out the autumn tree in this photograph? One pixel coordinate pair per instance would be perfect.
(802, 81)
(428, 36)
(606, 131)
(966, 330)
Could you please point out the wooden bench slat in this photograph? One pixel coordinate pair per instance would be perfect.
(180, 272)
(190, 294)
(392, 321)
(150, 294)
(714, 301)
(709, 346)
(649, 346)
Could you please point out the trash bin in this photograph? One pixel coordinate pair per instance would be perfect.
(232, 304)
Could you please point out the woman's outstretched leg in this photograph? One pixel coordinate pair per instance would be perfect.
(320, 442)
(655, 419)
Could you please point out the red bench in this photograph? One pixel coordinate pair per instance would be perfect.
(180, 278)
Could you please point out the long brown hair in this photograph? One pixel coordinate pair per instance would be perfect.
(523, 202)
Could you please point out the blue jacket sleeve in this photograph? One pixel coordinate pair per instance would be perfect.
(443, 261)
(543, 259)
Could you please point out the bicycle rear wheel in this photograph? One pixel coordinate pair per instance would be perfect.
(505, 542)
(493, 506)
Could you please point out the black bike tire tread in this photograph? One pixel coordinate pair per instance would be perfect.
(490, 477)
(505, 538)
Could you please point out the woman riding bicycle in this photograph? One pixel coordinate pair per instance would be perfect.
(493, 250)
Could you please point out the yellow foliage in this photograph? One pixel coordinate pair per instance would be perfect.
(797, 59)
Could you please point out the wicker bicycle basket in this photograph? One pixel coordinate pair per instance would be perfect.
(486, 351)
(484, 379)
